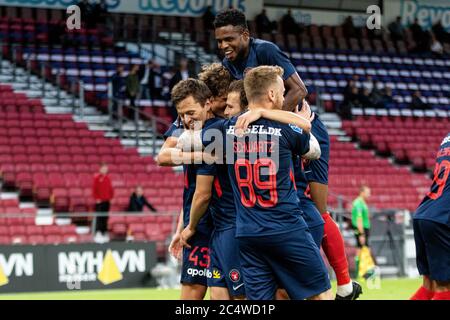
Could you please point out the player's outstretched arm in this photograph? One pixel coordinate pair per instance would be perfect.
(200, 202)
(276, 115)
(295, 92)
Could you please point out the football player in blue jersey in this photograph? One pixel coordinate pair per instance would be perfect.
(218, 80)
(266, 202)
(432, 232)
(191, 98)
(242, 53)
(225, 276)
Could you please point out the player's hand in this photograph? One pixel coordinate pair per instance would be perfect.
(175, 247)
(186, 234)
(305, 111)
(244, 121)
(189, 140)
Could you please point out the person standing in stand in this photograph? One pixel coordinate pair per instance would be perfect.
(102, 192)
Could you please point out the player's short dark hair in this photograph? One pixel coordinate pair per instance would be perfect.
(216, 77)
(238, 86)
(231, 17)
(190, 87)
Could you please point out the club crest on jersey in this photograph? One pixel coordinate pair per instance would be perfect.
(295, 128)
(235, 276)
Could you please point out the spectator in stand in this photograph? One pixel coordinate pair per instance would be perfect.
(368, 84)
(376, 96)
(436, 47)
(396, 29)
(441, 35)
(348, 28)
(364, 98)
(181, 74)
(417, 103)
(387, 99)
(118, 84)
(138, 201)
(156, 81)
(103, 192)
(208, 19)
(263, 24)
(288, 24)
(144, 75)
(86, 10)
(132, 85)
(421, 37)
(100, 12)
(351, 100)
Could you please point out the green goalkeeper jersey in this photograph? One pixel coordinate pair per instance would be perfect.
(360, 211)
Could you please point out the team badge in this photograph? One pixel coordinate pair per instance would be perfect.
(235, 276)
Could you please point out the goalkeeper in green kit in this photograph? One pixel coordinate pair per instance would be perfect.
(361, 220)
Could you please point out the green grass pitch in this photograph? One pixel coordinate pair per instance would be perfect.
(389, 289)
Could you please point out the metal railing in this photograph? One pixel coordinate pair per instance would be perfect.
(116, 108)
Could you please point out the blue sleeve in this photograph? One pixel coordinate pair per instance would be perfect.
(173, 131)
(207, 170)
(269, 54)
(298, 139)
(210, 132)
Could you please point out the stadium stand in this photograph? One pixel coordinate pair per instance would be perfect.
(52, 159)
(409, 139)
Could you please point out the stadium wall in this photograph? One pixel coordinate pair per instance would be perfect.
(158, 7)
(428, 12)
(76, 267)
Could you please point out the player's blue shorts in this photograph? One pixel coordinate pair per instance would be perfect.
(291, 261)
(196, 261)
(225, 269)
(432, 249)
(317, 170)
(313, 219)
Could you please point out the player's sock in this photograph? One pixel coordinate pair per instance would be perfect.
(345, 289)
(445, 295)
(422, 294)
(333, 246)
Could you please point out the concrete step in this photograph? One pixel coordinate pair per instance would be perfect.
(9, 195)
(142, 143)
(148, 151)
(26, 205)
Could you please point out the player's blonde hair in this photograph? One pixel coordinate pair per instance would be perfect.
(258, 80)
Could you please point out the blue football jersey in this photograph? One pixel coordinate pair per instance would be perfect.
(222, 206)
(190, 177)
(436, 204)
(261, 53)
(312, 217)
(260, 169)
